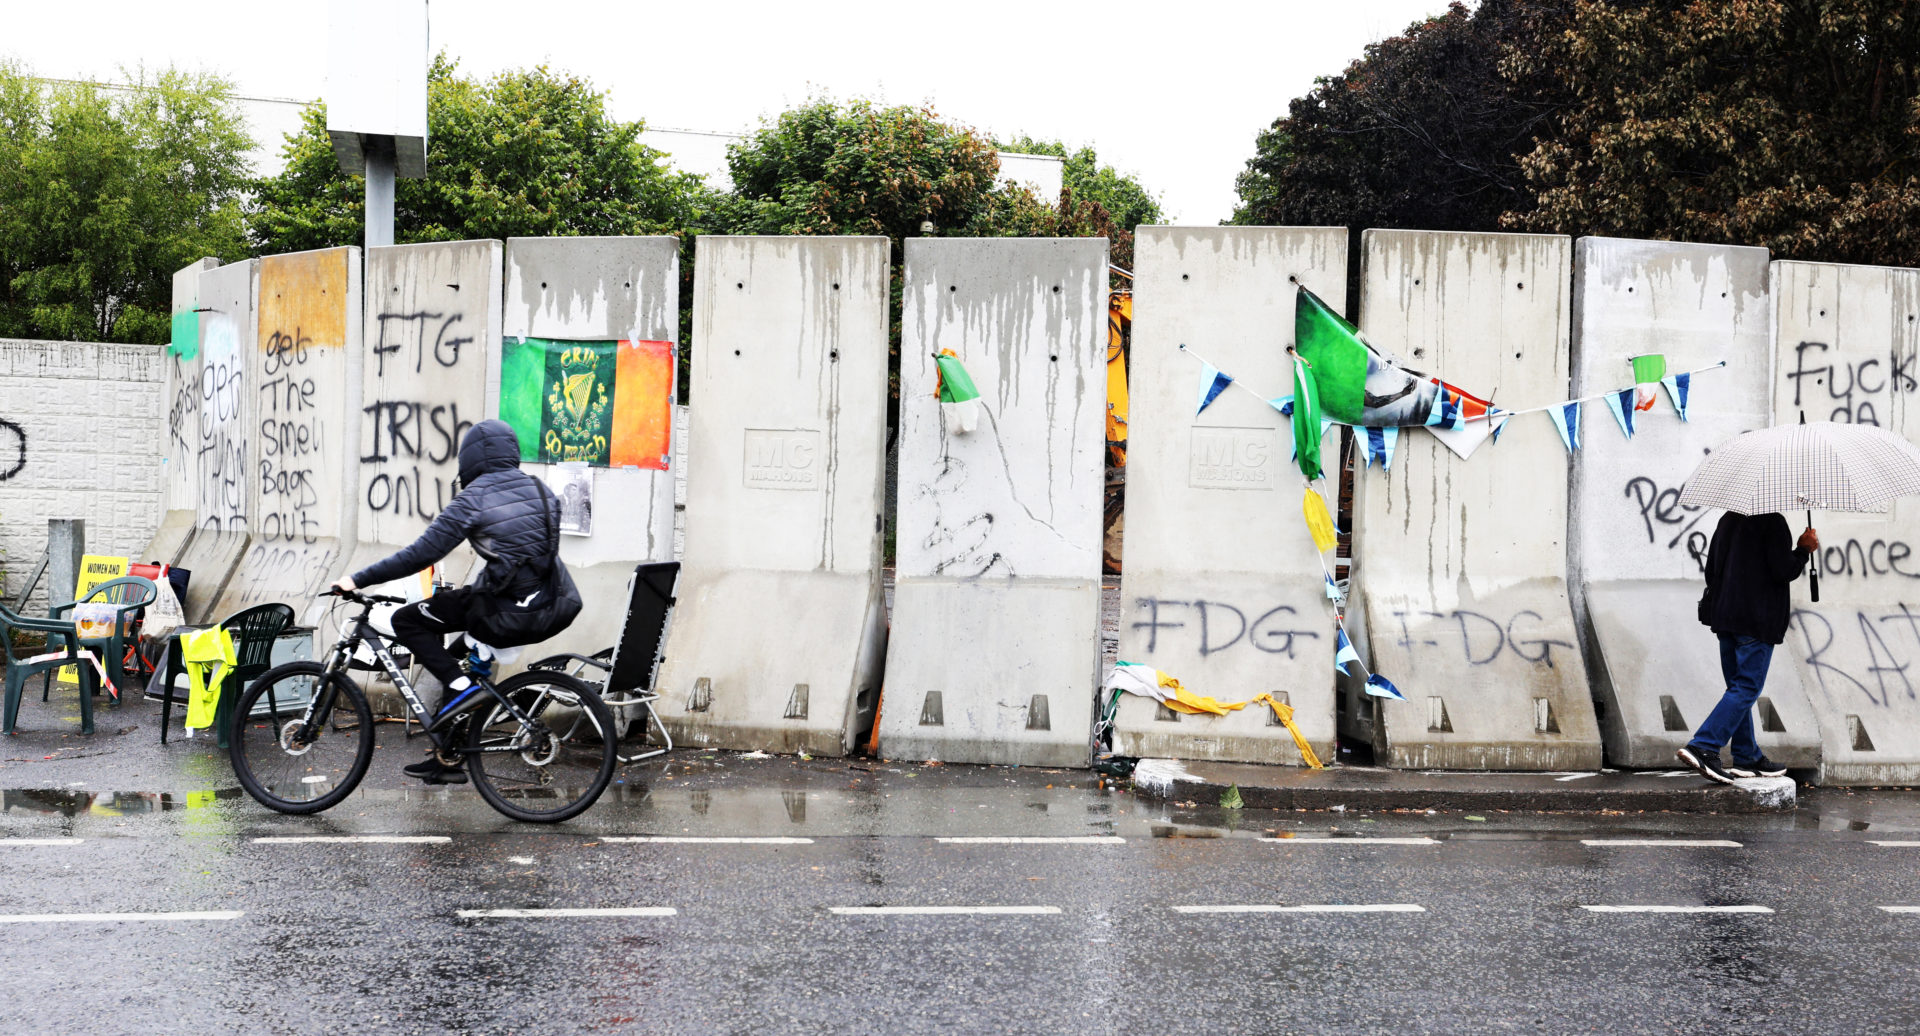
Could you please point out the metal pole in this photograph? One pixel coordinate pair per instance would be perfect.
(379, 174)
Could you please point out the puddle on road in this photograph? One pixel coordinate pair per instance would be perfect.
(68, 803)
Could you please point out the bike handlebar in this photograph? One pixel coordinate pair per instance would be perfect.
(360, 598)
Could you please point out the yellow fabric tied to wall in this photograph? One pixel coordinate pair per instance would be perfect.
(1284, 713)
(201, 651)
(1319, 522)
(1183, 700)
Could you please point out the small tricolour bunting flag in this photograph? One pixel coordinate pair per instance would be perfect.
(1566, 421)
(959, 400)
(1343, 653)
(1319, 522)
(1213, 381)
(1380, 443)
(1621, 403)
(1648, 372)
(1381, 687)
(1678, 388)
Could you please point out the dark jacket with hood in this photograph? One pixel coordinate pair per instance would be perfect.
(1751, 564)
(505, 513)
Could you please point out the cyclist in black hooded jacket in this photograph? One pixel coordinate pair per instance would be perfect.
(510, 519)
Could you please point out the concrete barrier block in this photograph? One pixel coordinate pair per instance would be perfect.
(1460, 565)
(431, 329)
(997, 569)
(1639, 555)
(614, 291)
(1222, 586)
(180, 458)
(780, 588)
(1846, 347)
(302, 365)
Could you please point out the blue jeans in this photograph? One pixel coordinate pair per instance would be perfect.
(1743, 661)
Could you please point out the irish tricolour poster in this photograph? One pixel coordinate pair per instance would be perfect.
(608, 404)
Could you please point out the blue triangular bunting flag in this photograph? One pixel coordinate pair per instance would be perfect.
(1621, 403)
(1380, 443)
(1343, 653)
(1333, 588)
(1381, 687)
(1446, 409)
(1566, 421)
(1499, 419)
(1678, 385)
(1283, 404)
(1213, 381)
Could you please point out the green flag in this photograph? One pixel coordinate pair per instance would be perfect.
(1339, 357)
(1306, 418)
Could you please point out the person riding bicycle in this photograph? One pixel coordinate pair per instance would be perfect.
(510, 519)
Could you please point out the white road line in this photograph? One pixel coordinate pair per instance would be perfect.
(1349, 841)
(1305, 908)
(4, 842)
(1744, 909)
(368, 839)
(1890, 845)
(1664, 843)
(701, 840)
(1035, 840)
(1901, 909)
(922, 910)
(575, 912)
(177, 915)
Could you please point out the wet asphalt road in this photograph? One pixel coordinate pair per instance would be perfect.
(1479, 924)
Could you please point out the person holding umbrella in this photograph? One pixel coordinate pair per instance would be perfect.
(1751, 564)
(1753, 559)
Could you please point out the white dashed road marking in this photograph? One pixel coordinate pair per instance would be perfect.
(575, 912)
(1899, 845)
(177, 915)
(924, 910)
(1746, 909)
(1035, 840)
(1665, 843)
(4, 842)
(698, 840)
(368, 839)
(1901, 909)
(1305, 908)
(1349, 841)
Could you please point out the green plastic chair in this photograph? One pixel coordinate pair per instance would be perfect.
(132, 594)
(19, 669)
(254, 630)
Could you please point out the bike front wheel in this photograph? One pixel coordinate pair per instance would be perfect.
(549, 769)
(301, 740)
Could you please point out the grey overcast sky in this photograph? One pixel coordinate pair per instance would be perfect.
(1171, 92)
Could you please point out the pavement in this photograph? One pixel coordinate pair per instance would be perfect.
(715, 892)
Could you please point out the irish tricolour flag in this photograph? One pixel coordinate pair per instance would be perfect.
(959, 400)
(1647, 372)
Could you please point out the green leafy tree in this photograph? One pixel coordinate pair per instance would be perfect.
(527, 153)
(1127, 202)
(105, 192)
(1793, 124)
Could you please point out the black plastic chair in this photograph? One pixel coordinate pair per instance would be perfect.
(632, 664)
(254, 631)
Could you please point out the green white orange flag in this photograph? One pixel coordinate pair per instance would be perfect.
(959, 400)
(608, 403)
(1648, 370)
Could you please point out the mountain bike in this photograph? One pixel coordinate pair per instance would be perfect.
(542, 749)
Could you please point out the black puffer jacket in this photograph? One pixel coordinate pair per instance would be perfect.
(498, 510)
(1751, 565)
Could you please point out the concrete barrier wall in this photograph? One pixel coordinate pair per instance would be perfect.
(180, 461)
(1846, 343)
(303, 388)
(1222, 588)
(1460, 565)
(431, 331)
(78, 425)
(1637, 554)
(624, 290)
(995, 649)
(777, 638)
(219, 434)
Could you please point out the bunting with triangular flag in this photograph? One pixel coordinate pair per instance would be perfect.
(1678, 386)
(1498, 419)
(1306, 419)
(1319, 522)
(1380, 443)
(1381, 687)
(1648, 371)
(1566, 421)
(1621, 404)
(1213, 381)
(1343, 653)
(959, 399)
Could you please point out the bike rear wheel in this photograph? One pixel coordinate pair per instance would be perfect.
(555, 767)
(292, 764)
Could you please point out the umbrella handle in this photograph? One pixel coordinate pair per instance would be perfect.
(1813, 565)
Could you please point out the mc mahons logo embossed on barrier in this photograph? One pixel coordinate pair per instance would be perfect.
(1232, 458)
(783, 459)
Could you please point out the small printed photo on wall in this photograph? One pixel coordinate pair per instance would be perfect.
(572, 482)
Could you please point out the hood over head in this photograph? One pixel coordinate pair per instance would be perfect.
(488, 446)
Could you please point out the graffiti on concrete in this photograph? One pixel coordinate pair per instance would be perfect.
(13, 449)
(1483, 638)
(1211, 627)
(1855, 392)
(1868, 665)
(221, 445)
(1662, 513)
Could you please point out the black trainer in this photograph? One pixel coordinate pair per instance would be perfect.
(1762, 767)
(433, 771)
(1705, 765)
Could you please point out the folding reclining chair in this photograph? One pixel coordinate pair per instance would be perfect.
(631, 666)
